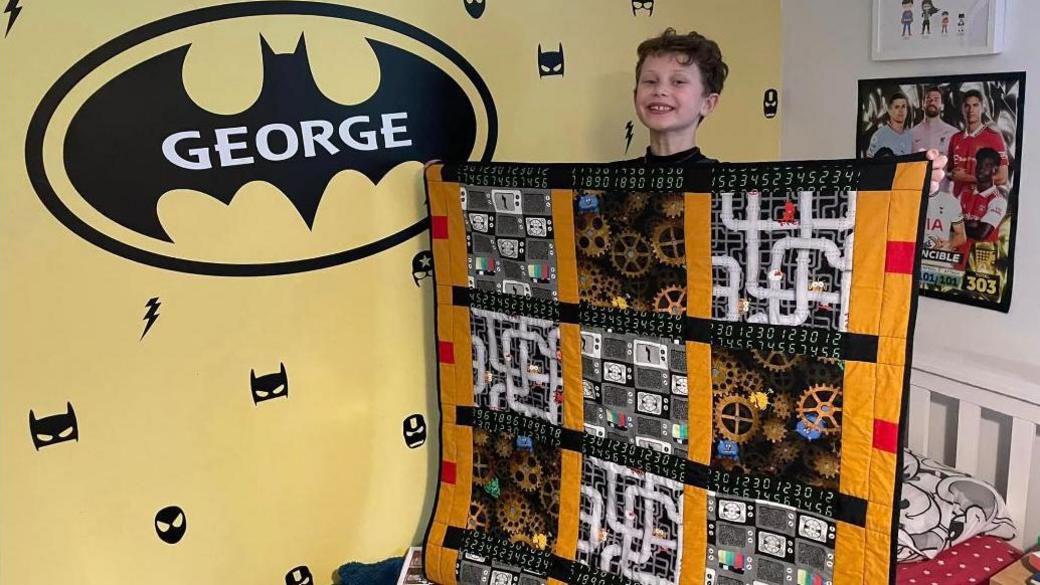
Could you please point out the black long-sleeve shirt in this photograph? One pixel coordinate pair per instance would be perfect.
(650, 159)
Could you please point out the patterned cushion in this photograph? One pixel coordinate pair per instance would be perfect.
(971, 562)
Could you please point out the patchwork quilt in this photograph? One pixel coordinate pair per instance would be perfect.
(679, 374)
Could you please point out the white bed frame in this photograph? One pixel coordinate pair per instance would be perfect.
(1021, 411)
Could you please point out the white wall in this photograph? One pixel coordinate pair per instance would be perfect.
(826, 50)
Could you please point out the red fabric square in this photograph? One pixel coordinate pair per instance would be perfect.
(439, 227)
(886, 435)
(899, 257)
(446, 352)
(448, 472)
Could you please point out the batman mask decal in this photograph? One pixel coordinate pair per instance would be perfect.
(139, 135)
(54, 429)
(270, 386)
(550, 62)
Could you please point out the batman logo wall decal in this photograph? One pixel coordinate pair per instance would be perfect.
(550, 62)
(170, 524)
(645, 5)
(270, 386)
(299, 576)
(422, 266)
(54, 429)
(414, 431)
(475, 8)
(124, 131)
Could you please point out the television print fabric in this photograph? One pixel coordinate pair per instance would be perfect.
(672, 375)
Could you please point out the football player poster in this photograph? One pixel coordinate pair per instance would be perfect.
(976, 121)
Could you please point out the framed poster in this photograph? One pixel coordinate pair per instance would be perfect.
(919, 29)
(977, 121)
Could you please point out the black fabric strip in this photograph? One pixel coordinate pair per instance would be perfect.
(507, 421)
(897, 489)
(877, 178)
(698, 330)
(569, 313)
(514, 305)
(453, 538)
(560, 568)
(782, 176)
(689, 177)
(859, 347)
(582, 575)
(799, 340)
(633, 322)
(631, 455)
(697, 474)
(530, 560)
(460, 296)
(852, 510)
(781, 490)
(464, 416)
(571, 440)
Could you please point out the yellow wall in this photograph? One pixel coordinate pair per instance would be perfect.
(323, 476)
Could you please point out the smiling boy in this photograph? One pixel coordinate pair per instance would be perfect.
(679, 78)
(678, 82)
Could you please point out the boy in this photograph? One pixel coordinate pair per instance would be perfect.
(678, 82)
(679, 78)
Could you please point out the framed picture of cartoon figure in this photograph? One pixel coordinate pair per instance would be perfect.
(920, 29)
(976, 120)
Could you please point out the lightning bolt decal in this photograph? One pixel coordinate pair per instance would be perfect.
(151, 315)
(13, 9)
(628, 135)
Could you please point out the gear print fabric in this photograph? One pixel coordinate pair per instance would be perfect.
(670, 375)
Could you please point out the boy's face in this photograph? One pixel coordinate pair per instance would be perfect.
(670, 97)
(985, 170)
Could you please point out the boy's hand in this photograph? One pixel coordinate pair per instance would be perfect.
(938, 168)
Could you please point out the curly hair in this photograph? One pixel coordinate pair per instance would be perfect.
(691, 47)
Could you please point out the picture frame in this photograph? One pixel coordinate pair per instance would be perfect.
(926, 29)
(977, 266)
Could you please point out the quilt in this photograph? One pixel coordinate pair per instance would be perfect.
(672, 375)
